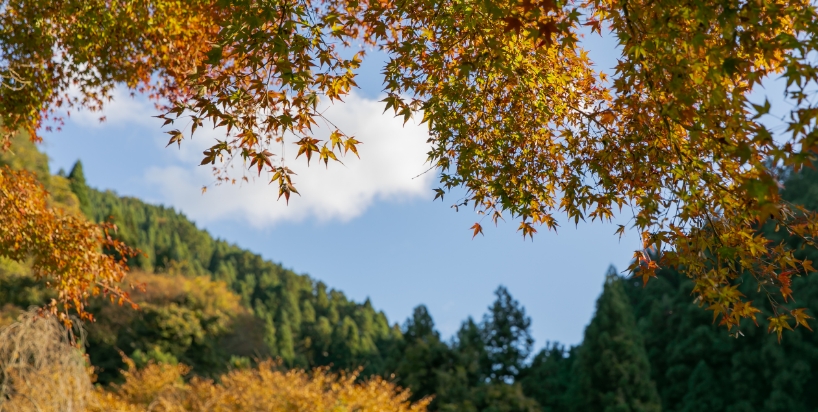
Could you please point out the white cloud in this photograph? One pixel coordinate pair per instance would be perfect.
(391, 156)
(123, 110)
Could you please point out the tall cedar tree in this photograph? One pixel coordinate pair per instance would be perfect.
(465, 372)
(78, 185)
(548, 379)
(612, 369)
(487, 359)
(507, 337)
(421, 357)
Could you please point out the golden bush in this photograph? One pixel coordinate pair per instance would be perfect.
(159, 388)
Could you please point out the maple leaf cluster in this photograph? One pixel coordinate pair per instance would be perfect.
(64, 250)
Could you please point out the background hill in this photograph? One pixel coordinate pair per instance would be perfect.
(201, 290)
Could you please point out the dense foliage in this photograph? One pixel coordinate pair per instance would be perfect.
(650, 347)
(213, 306)
(286, 315)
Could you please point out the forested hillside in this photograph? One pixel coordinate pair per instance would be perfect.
(218, 308)
(285, 315)
(296, 318)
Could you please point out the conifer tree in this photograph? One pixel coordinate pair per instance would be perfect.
(422, 356)
(547, 380)
(420, 326)
(612, 369)
(471, 351)
(700, 395)
(466, 371)
(465, 384)
(80, 188)
(507, 337)
(486, 361)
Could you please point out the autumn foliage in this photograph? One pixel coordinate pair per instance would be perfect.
(64, 55)
(63, 249)
(265, 388)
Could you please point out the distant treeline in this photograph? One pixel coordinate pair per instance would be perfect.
(216, 307)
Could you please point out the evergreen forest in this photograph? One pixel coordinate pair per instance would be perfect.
(217, 308)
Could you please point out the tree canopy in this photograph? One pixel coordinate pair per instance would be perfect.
(516, 113)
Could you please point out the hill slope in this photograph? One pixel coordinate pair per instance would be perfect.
(289, 315)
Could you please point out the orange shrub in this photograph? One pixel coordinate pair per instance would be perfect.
(266, 388)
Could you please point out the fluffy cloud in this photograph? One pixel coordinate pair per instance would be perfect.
(123, 110)
(392, 155)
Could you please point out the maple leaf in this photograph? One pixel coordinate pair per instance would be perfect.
(527, 229)
(801, 318)
(439, 194)
(176, 136)
(512, 24)
(595, 25)
(261, 159)
(778, 324)
(477, 229)
(546, 31)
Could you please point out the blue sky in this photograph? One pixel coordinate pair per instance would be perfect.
(368, 228)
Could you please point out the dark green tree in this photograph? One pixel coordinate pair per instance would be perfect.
(421, 326)
(507, 337)
(700, 394)
(612, 369)
(465, 384)
(80, 188)
(548, 379)
(465, 372)
(421, 357)
(486, 361)
(753, 372)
